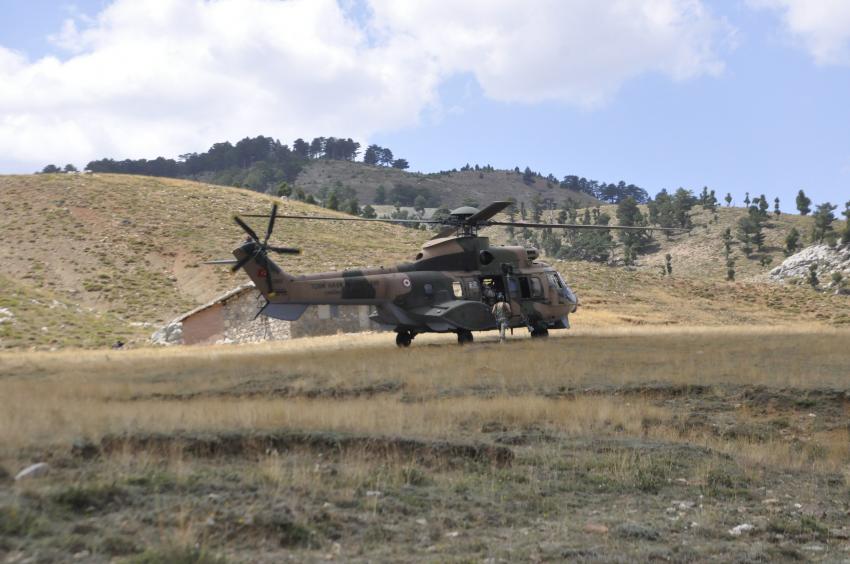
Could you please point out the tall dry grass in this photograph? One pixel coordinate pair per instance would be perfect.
(434, 389)
(58, 421)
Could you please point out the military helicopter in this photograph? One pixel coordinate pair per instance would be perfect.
(448, 288)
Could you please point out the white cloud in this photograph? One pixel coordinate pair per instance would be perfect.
(577, 51)
(151, 77)
(821, 26)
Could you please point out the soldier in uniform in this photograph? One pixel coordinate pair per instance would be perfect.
(489, 293)
(502, 312)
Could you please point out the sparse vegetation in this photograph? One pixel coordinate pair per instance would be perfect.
(309, 449)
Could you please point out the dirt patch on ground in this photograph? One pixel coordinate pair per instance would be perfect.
(228, 444)
(269, 389)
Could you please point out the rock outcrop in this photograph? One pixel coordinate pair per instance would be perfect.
(827, 259)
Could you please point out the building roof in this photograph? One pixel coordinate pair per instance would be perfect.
(238, 291)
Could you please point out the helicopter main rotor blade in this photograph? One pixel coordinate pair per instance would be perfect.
(271, 223)
(589, 227)
(220, 261)
(285, 250)
(245, 227)
(488, 212)
(331, 218)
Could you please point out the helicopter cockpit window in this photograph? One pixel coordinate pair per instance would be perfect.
(457, 290)
(536, 287)
(553, 281)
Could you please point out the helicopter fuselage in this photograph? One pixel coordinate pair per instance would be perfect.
(449, 287)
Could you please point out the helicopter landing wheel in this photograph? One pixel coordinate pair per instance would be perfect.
(539, 333)
(464, 337)
(404, 338)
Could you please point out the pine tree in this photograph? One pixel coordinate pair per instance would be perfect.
(803, 203)
(747, 199)
(776, 210)
(792, 240)
(352, 207)
(368, 212)
(838, 282)
(728, 199)
(823, 217)
(763, 206)
(628, 214)
(845, 235)
(333, 201)
(380, 195)
(727, 243)
(668, 264)
(283, 190)
(813, 276)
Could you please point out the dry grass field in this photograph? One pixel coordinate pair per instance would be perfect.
(610, 444)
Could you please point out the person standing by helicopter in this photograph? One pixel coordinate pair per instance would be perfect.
(502, 312)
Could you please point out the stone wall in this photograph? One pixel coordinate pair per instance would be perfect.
(232, 318)
(243, 325)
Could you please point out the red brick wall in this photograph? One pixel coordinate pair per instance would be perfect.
(204, 327)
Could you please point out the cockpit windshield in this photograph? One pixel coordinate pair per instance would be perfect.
(563, 289)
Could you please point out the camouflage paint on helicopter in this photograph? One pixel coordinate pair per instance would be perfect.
(442, 290)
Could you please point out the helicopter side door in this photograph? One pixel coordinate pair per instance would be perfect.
(526, 290)
(515, 297)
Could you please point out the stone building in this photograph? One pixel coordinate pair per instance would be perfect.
(232, 318)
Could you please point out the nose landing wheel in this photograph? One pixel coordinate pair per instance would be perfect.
(404, 338)
(464, 337)
(539, 333)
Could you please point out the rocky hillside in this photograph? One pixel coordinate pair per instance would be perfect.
(449, 189)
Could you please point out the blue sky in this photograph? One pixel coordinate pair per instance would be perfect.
(763, 108)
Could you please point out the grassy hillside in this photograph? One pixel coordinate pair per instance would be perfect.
(451, 189)
(129, 249)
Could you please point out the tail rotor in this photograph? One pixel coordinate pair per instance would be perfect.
(257, 249)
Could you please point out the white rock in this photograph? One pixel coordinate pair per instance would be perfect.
(827, 259)
(34, 471)
(171, 334)
(6, 315)
(452, 534)
(739, 529)
(373, 493)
